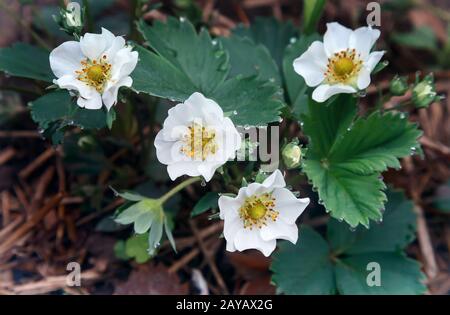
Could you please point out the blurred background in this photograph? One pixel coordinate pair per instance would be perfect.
(39, 234)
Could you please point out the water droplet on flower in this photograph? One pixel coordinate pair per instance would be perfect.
(341, 219)
(214, 42)
(302, 124)
(352, 229)
(402, 116)
(203, 183)
(235, 112)
(182, 19)
(362, 93)
(320, 201)
(413, 150)
(292, 40)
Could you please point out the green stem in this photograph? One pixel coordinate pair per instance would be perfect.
(177, 188)
(90, 23)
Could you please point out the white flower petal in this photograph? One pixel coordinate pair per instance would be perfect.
(289, 207)
(95, 102)
(125, 62)
(229, 206)
(279, 230)
(230, 230)
(373, 59)
(93, 45)
(363, 78)
(336, 38)
(363, 39)
(275, 180)
(182, 168)
(325, 91)
(251, 239)
(66, 59)
(312, 64)
(207, 169)
(70, 82)
(110, 94)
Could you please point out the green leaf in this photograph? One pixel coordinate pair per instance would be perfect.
(393, 234)
(136, 247)
(110, 118)
(270, 32)
(304, 268)
(154, 237)
(345, 158)
(312, 266)
(186, 62)
(420, 38)
(295, 84)
(208, 201)
(399, 275)
(168, 231)
(246, 96)
(204, 64)
(130, 196)
(120, 250)
(248, 59)
(312, 11)
(59, 106)
(156, 76)
(27, 61)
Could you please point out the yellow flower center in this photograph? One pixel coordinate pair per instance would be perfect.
(200, 142)
(343, 67)
(95, 73)
(257, 210)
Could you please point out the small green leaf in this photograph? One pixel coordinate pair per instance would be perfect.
(208, 201)
(399, 275)
(168, 231)
(120, 250)
(312, 11)
(304, 268)
(136, 247)
(24, 60)
(130, 196)
(154, 237)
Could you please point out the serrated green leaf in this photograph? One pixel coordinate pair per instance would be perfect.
(347, 257)
(208, 201)
(27, 61)
(393, 234)
(204, 64)
(295, 84)
(247, 96)
(376, 143)
(399, 275)
(270, 32)
(304, 268)
(136, 247)
(248, 59)
(59, 106)
(345, 159)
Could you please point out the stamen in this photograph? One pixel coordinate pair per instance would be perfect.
(199, 142)
(95, 73)
(343, 67)
(257, 210)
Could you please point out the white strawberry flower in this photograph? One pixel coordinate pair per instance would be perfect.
(95, 68)
(260, 214)
(196, 138)
(342, 63)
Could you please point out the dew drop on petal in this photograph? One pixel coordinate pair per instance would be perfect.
(292, 40)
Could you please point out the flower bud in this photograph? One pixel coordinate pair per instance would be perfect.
(70, 19)
(424, 93)
(292, 155)
(398, 86)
